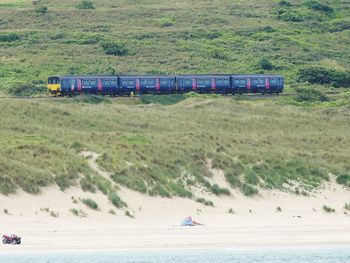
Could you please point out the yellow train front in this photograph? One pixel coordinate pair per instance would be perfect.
(54, 85)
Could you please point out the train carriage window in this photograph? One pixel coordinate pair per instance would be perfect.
(86, 82)
(188, 82)
(237, 82)
(93, 82)
(72, 82)
(243, 81)
(273, 81)
(131, 82)
(261, 81)
(150, 82)
(164, 82)
(206, 82)
(226, 81)
(255, 81)
(219, 81)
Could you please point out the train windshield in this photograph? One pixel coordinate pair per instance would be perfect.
(54, 80)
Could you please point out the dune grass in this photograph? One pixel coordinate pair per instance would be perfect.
(260, 143)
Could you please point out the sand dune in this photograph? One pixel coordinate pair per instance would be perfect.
(255, 221)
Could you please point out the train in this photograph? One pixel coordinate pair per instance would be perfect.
(126, 85)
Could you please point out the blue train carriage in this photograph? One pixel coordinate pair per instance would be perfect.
(141, 84)
(72, 85)
(257, 84)
(219, 84)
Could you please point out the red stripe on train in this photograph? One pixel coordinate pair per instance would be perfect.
(267, 83)
(194, 85)
(99, 85)
(213, 84)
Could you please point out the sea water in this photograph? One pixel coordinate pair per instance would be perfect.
(187, 256)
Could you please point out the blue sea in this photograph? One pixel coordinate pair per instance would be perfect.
(213, 256)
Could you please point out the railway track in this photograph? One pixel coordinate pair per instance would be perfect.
(252, 96)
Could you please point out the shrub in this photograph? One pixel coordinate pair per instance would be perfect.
(9, 37)
(279, 209)
(204, 201)
(90, 203)
(41, 9)
(36, 2)
(249, 190)
(310, 95)
(315, 5)
(114, 48)
(87, 186)
(284, 3)
(74, 211)
(219, 191)
(343, 179)
(231, 211)
(6, 211)
(54, 214)
(26, 89)
(112, 212)
(166, 22)
(265, 64)
(328, 209)
(127, 213)
(116, 201)
(319, 75)
(347, 206)
(85, 4)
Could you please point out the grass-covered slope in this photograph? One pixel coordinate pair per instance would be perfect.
(135, 36)
(164, 149)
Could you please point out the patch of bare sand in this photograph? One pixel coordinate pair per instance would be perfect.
(255, 221)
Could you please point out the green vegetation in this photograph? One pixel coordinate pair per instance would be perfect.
(278, 209)
(310, 95)
(90, 203)
(204, 201)
(85, 4)
(76, 212)
(328, 209)
(128, 214)
(347, 206)
(231, 211)
(343, 179)
(116, 201)
(155, 37)
(163, 149)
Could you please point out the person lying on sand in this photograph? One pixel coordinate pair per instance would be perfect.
(189, 222)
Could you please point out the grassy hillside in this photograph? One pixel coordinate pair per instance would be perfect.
(135, 36)
(164, 149)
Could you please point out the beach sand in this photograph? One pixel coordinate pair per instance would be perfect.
(254, 223)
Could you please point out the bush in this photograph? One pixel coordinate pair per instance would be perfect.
(319, 75)
(284, 3)
(85, 4)
(114, 48)
(347, 206)
(310, 95)
(343, 179)
(315, 5)
(328, 209)
(41, 10)
(26, 89)
(204, 201)
(219, 191)
(265, 64)
(90, 203)
(87, 186)
(9, 37)
(249, 190)
(116, 201)
(166, 22)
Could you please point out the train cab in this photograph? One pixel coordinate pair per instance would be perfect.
(54, 85)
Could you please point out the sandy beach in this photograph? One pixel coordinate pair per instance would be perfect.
(254, 222)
